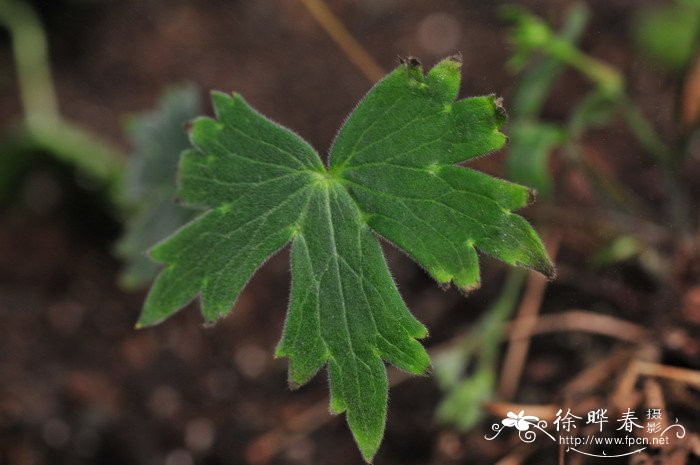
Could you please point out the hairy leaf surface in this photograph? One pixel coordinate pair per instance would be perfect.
(391, 173)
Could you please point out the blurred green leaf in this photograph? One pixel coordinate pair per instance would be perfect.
(149, 189)
(528, 157)
(465, 391)
(595, 110)
(529, 34)
(449, 366)
(461, 405)
(669, 33)
(532, 142)
(532, 37)
(618, 250)
(534, 83)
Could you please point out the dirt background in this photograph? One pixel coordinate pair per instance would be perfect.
(79, 385)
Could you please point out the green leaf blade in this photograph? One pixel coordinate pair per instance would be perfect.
(392, 175)
(406, 184)
(255, 177)
(238, 153)
(405, 120)
(223, 248)
(353, 317)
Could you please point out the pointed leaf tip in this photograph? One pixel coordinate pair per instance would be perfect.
(501, 114)
(414, 62)
(457, 58)
(469, 288)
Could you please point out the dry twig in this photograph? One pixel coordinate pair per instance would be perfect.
(578, 320)
(516, 355)
(352, 49)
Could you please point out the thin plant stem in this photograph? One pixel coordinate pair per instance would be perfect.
(519, 344)
(44, 127)
(612, 84)
(491, 327)
(30, 49)
(643, 132)
(599, 72)
(352, 49)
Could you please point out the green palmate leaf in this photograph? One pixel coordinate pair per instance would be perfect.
(149, 185)
(391, 173)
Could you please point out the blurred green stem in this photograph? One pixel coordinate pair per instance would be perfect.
(44, 126)
(537, 35)
(31, 57)
(644, 132)
(533, 86)
(611, 84)
(465, 391)
(491, 326)
(485, 336)
(669, 162)
(607, 78)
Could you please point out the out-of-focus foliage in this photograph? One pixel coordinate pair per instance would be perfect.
(467, 373)
(535, 81)
(158, 138)
(533, 141)
(44, 128)
(541, 61)
(531, 37)
(596, 109)
(528, 157)
(670, 34)
(620, 249)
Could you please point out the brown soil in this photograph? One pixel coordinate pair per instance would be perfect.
(79, 385)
